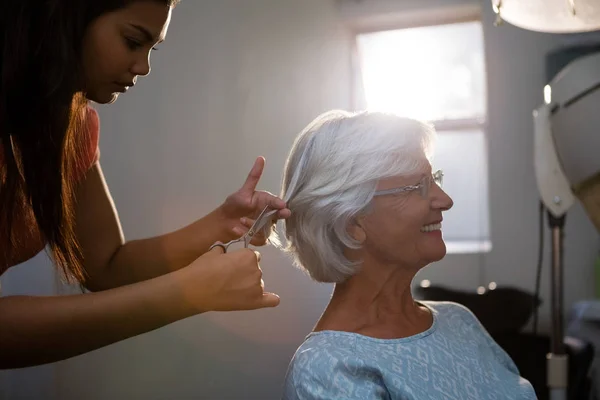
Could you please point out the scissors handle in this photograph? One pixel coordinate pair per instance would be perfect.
(225, 246)
(219, 244)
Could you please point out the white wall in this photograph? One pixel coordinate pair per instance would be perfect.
(237, 79)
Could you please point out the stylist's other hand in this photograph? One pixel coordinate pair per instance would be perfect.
(228, 282)
(242, 207)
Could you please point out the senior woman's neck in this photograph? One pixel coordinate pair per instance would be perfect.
(380, 306)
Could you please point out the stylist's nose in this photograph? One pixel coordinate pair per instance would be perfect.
(141, 65)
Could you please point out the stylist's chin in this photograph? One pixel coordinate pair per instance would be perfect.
(107, 96)
(113, 97)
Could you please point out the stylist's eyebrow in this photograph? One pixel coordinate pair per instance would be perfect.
(149, 36)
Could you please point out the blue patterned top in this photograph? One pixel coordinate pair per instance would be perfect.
(455, 358)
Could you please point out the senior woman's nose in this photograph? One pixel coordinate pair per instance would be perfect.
(440, 199)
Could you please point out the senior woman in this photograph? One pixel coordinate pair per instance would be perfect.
(366, 215)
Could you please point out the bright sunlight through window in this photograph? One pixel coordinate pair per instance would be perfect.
(437, 73)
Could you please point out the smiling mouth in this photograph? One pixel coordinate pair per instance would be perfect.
(124, 86)
(432, 227)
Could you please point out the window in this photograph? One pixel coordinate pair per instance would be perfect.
(437, 73)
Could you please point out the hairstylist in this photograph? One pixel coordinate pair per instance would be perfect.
(55, 57)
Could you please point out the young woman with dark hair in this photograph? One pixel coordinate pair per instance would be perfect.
(55, 57)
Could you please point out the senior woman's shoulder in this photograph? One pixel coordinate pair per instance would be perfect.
(451, 314)
(328, 365)
(325, 347)
(450, 317)
(448, 308)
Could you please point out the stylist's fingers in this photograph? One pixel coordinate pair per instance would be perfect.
(270, 300)
(254, 175)
(264, 199)
(260, 237)
(273, 201)
(248, 222)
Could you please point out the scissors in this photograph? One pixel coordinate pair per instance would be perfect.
(263, 218)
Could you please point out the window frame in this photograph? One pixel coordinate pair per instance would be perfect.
(474, 124)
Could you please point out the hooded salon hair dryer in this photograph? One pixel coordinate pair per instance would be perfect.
(567, 168)
(566, 143)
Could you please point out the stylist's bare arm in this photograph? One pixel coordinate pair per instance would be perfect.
(37, 330)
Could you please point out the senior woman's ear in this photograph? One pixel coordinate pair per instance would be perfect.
(356, 230)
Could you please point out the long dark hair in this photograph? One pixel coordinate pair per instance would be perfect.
(42, 112)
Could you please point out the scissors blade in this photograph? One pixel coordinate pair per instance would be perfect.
(263, 218)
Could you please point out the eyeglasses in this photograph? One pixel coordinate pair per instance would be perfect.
(423, 186)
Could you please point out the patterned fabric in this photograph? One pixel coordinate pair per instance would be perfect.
(455, 359)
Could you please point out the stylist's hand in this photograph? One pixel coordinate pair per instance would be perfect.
(228, 282)
(242, 207)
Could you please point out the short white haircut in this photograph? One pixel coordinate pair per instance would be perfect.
(330, 176)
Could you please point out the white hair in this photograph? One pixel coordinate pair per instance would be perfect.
(330, 176)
